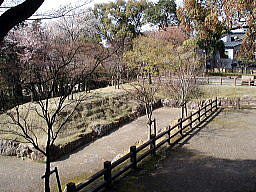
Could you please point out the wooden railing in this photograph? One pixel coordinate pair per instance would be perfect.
(104, 178)
(235, 81)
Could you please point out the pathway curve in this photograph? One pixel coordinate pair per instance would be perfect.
(221, 157)
(24, 175)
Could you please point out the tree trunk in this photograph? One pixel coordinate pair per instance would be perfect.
(47, 174)
(149, 78)
(17, 89)
(48, 161)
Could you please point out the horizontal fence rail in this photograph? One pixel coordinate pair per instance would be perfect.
(111, 171)
(235, 81)
(212, 80)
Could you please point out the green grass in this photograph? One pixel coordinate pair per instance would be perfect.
(211, 91)
(228, 74)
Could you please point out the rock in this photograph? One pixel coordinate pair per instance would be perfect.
(8, 147)
(169, 103)
(99, 129)
(192, 105)
(139, 109)
(23, 150)
(37, 156)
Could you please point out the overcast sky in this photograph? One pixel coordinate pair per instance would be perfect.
(55, 4)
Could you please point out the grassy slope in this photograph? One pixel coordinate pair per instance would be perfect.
(105, 105)
(100, 106)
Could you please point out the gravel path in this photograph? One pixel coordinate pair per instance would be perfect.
(221, 157)
(24, 175)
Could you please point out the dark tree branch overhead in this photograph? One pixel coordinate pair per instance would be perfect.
(1, 2)
(17, 14)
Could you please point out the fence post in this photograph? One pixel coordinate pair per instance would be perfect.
(186, 109)
(180, 126)
(205, 111)
(58, 179)
(216, 103)
(133, 156)
(107, 174)
(208, 81)
(169, 135)
(153, 144)
(154, 126)
(199, 114)
(190, 120)
(211, 104)
(238, 103)
(182, 111)
(149, 125)
(70, 187)
(235, 81)
(221, 81)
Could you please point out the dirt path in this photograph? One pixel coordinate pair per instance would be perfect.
(221, 157)
(24, 175)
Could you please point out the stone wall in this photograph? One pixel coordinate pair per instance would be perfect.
(14, 148)
(22, 150)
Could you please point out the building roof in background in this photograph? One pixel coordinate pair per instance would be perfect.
(232, 44)
(175, 34)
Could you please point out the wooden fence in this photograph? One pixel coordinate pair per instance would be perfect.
(111, 171)
(223, 81)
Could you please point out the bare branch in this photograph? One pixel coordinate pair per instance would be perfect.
(17, 14)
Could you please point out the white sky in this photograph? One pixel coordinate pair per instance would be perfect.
(55, 4)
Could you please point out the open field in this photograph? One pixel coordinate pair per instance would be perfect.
(210, 91)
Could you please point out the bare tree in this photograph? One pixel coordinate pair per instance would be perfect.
(145, 94)
(53, 71)
(181, 84)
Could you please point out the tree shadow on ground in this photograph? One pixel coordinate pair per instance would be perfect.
(189, 170)
(185, 170)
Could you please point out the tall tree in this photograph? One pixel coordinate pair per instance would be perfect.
(121, 18)
(209, 19)
(185, 63)
(120, 22)
(149, 56)
(201, 18)
(162, 13)
(246, 11)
